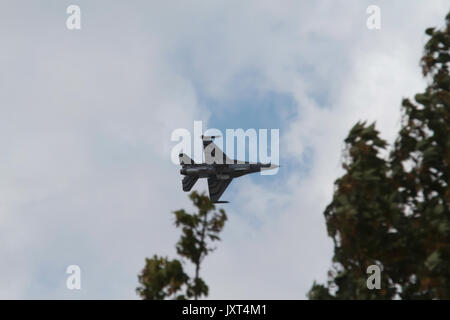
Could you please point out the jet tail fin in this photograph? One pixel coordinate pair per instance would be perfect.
(185, 159)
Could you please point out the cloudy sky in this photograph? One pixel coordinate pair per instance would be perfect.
(86, 118)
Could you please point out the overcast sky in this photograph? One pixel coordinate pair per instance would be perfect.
(86, 118)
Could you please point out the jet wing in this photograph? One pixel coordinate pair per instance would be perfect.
(213, 154)
(216, 188)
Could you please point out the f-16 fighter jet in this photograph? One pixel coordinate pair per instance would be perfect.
(218, 168)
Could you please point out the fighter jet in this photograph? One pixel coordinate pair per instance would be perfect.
(218, 168)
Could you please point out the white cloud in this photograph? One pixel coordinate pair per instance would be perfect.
(86, 117)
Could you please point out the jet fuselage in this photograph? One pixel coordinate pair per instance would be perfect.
(221, 171)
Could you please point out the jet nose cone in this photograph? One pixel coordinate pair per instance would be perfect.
(270, 167)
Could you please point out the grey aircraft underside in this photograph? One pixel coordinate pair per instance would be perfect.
(218, 169)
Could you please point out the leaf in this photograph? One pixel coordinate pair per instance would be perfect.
(433, 260)
(429, 31)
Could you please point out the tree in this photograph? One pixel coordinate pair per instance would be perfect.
(395, 212)
(361, 219)
(162, 278)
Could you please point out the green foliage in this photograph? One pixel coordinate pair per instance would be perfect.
(162, 278)
(198, 229)
(395, 212)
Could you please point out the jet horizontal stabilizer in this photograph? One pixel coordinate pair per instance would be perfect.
(188, 182)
